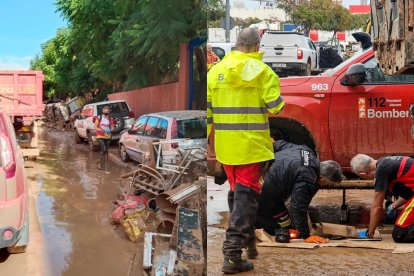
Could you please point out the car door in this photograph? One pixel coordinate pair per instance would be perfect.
(131, 140)
(313, 54)
(372, 118)
(146, 139)
(81, 125)
(89, 123)
(162, 131)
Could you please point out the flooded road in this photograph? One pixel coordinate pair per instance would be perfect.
(72, 201)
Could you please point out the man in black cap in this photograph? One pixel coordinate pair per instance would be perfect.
(298, 174)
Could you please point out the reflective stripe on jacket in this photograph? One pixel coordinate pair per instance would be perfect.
(241, 90)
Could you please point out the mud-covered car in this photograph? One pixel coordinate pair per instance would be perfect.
(85, 127)
(173, 129)
(14, 216)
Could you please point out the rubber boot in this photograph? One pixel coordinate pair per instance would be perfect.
(106, 161)
(233, 266)
(251, 249)
(230, 200)
(241, 222)
(101, 165)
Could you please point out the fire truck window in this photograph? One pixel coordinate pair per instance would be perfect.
(375, 74)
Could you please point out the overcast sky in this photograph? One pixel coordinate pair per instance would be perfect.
(253, 4)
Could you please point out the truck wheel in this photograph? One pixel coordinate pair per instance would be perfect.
(92, 146)
(78, 139)
(308, 70)
(291, 131)
(279, 134)
(119, 124)
(123, 153)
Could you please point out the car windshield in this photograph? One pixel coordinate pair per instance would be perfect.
(192, 129)
(332, 71)
(120, 107)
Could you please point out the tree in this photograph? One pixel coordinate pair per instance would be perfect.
(324, 15)
(113, 45)
(244, 23)
(290, 5)
(215, 13)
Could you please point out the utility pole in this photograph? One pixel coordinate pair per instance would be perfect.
(227, 20)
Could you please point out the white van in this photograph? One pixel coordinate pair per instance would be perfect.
(222, 48)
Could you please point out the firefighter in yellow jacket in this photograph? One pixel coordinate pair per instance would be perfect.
(241, 90)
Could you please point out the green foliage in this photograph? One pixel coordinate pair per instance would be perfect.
(215, 13)
(113, 45)
(244, 23)
(290, 5)
(322, 15)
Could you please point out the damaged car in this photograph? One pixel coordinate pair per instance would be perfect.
(169, 130)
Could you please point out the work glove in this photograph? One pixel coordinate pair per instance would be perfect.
(390, 212)
(294, 234)
(363, 234)
(316, 239)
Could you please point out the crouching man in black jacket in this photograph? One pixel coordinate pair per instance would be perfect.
(296, 173)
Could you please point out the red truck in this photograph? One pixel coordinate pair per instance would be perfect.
(21, 96)
(337, 120)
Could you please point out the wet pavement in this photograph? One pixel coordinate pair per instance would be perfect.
(72, 203)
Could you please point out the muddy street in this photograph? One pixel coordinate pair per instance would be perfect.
(70, 207)
(290, 261)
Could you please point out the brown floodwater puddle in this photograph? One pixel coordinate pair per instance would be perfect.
(74, 207)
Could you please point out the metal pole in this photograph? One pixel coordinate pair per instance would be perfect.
(227, 20)
(191, 79)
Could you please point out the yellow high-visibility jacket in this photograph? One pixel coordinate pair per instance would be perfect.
(241, 90)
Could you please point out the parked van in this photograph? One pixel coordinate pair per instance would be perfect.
(14, 199)
(222, 48)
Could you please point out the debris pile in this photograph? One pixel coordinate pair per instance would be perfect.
(62, 115)
(164, 205)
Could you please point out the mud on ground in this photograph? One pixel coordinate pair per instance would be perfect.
(320, 261)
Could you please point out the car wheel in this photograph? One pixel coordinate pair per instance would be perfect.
(124, 155)
(78, 139)
(118, 124)
(91, 145)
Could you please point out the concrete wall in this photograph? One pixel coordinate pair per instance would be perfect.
(165, 97)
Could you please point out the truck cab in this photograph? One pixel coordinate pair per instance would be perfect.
(338, 120)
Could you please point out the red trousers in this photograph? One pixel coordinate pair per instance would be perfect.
(406, 217)
(248, 175)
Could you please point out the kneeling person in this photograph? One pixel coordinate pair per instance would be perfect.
(296, 173)
(393, 175)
